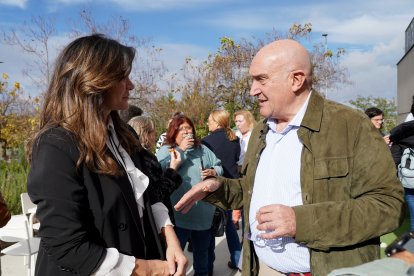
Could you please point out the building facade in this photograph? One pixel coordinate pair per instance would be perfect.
(405, 76)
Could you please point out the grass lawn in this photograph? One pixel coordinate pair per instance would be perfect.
(388, 238)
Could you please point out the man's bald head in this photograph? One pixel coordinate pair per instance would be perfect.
(281, 79)
(286, 54)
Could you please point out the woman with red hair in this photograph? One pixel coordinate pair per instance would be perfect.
(197, 163)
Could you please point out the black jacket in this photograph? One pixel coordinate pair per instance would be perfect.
(225, 150)
(82, 213)
(402, 137)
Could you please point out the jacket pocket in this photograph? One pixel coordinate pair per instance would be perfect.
(330, 181)
(331, 168)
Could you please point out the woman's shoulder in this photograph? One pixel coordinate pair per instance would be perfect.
(204, 149)
(58, 137)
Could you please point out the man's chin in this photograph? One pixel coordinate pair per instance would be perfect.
(265, 113)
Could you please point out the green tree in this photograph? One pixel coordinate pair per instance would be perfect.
(223, 81)
(18, 115)
(386, 105)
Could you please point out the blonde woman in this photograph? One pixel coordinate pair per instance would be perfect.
(245, 123)
(225, 145)
(145, 129)
(169, 180)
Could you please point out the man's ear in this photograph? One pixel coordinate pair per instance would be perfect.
(298, 79)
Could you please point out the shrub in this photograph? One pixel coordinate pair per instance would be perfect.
(13, 177)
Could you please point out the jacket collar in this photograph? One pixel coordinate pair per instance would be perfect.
(312, 118)
(313, 115)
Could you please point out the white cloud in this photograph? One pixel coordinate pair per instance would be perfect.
(372, 35)
(372, 72)
(165, 4)
(15, 61)
(144, 5)
(174, 55)
(16, 3)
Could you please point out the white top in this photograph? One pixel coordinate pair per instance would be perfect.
(116, 263)
(244, 142)
(277, 181)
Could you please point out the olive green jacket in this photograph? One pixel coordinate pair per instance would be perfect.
(350, 191)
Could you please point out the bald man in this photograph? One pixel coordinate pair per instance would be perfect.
(318, 184)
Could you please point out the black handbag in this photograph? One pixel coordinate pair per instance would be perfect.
(219, 222)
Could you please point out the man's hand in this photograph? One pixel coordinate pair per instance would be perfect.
(197, 192)
(277, 218)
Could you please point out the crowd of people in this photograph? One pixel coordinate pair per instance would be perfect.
(312, 184)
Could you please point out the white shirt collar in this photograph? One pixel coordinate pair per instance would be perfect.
(295, 122)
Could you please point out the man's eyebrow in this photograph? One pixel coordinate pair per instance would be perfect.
(260, 76)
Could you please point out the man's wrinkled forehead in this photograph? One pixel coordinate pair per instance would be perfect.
(265, 65)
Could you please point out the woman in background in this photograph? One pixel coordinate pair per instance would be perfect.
(197, 163)
(99, 213)
(244, 121)
(145, 129)
(169, 180)
(225, 145)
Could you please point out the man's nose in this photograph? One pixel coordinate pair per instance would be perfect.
(254, 90)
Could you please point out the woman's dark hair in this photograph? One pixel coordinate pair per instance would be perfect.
(174, 129)
(373, 111)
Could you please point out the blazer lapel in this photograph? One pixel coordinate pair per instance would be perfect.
(128, 194)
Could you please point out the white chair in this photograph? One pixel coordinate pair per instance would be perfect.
(29, 209)
(17, 230)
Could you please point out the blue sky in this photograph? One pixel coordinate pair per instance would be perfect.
(371, 31)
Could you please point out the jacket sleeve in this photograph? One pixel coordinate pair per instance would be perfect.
(360, 197)
(62, 207)
(162, 184)
(402, 131)
(229, 196)
(396, 151)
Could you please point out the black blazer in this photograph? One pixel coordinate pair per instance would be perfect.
(82, 213)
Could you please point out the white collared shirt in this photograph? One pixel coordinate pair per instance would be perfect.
(277, 181)
(116, 263)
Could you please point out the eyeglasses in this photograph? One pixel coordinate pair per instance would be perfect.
(184, 128)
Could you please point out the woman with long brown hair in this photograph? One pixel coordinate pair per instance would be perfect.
(98, 210)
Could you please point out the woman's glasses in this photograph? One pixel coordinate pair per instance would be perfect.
(184, 128)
